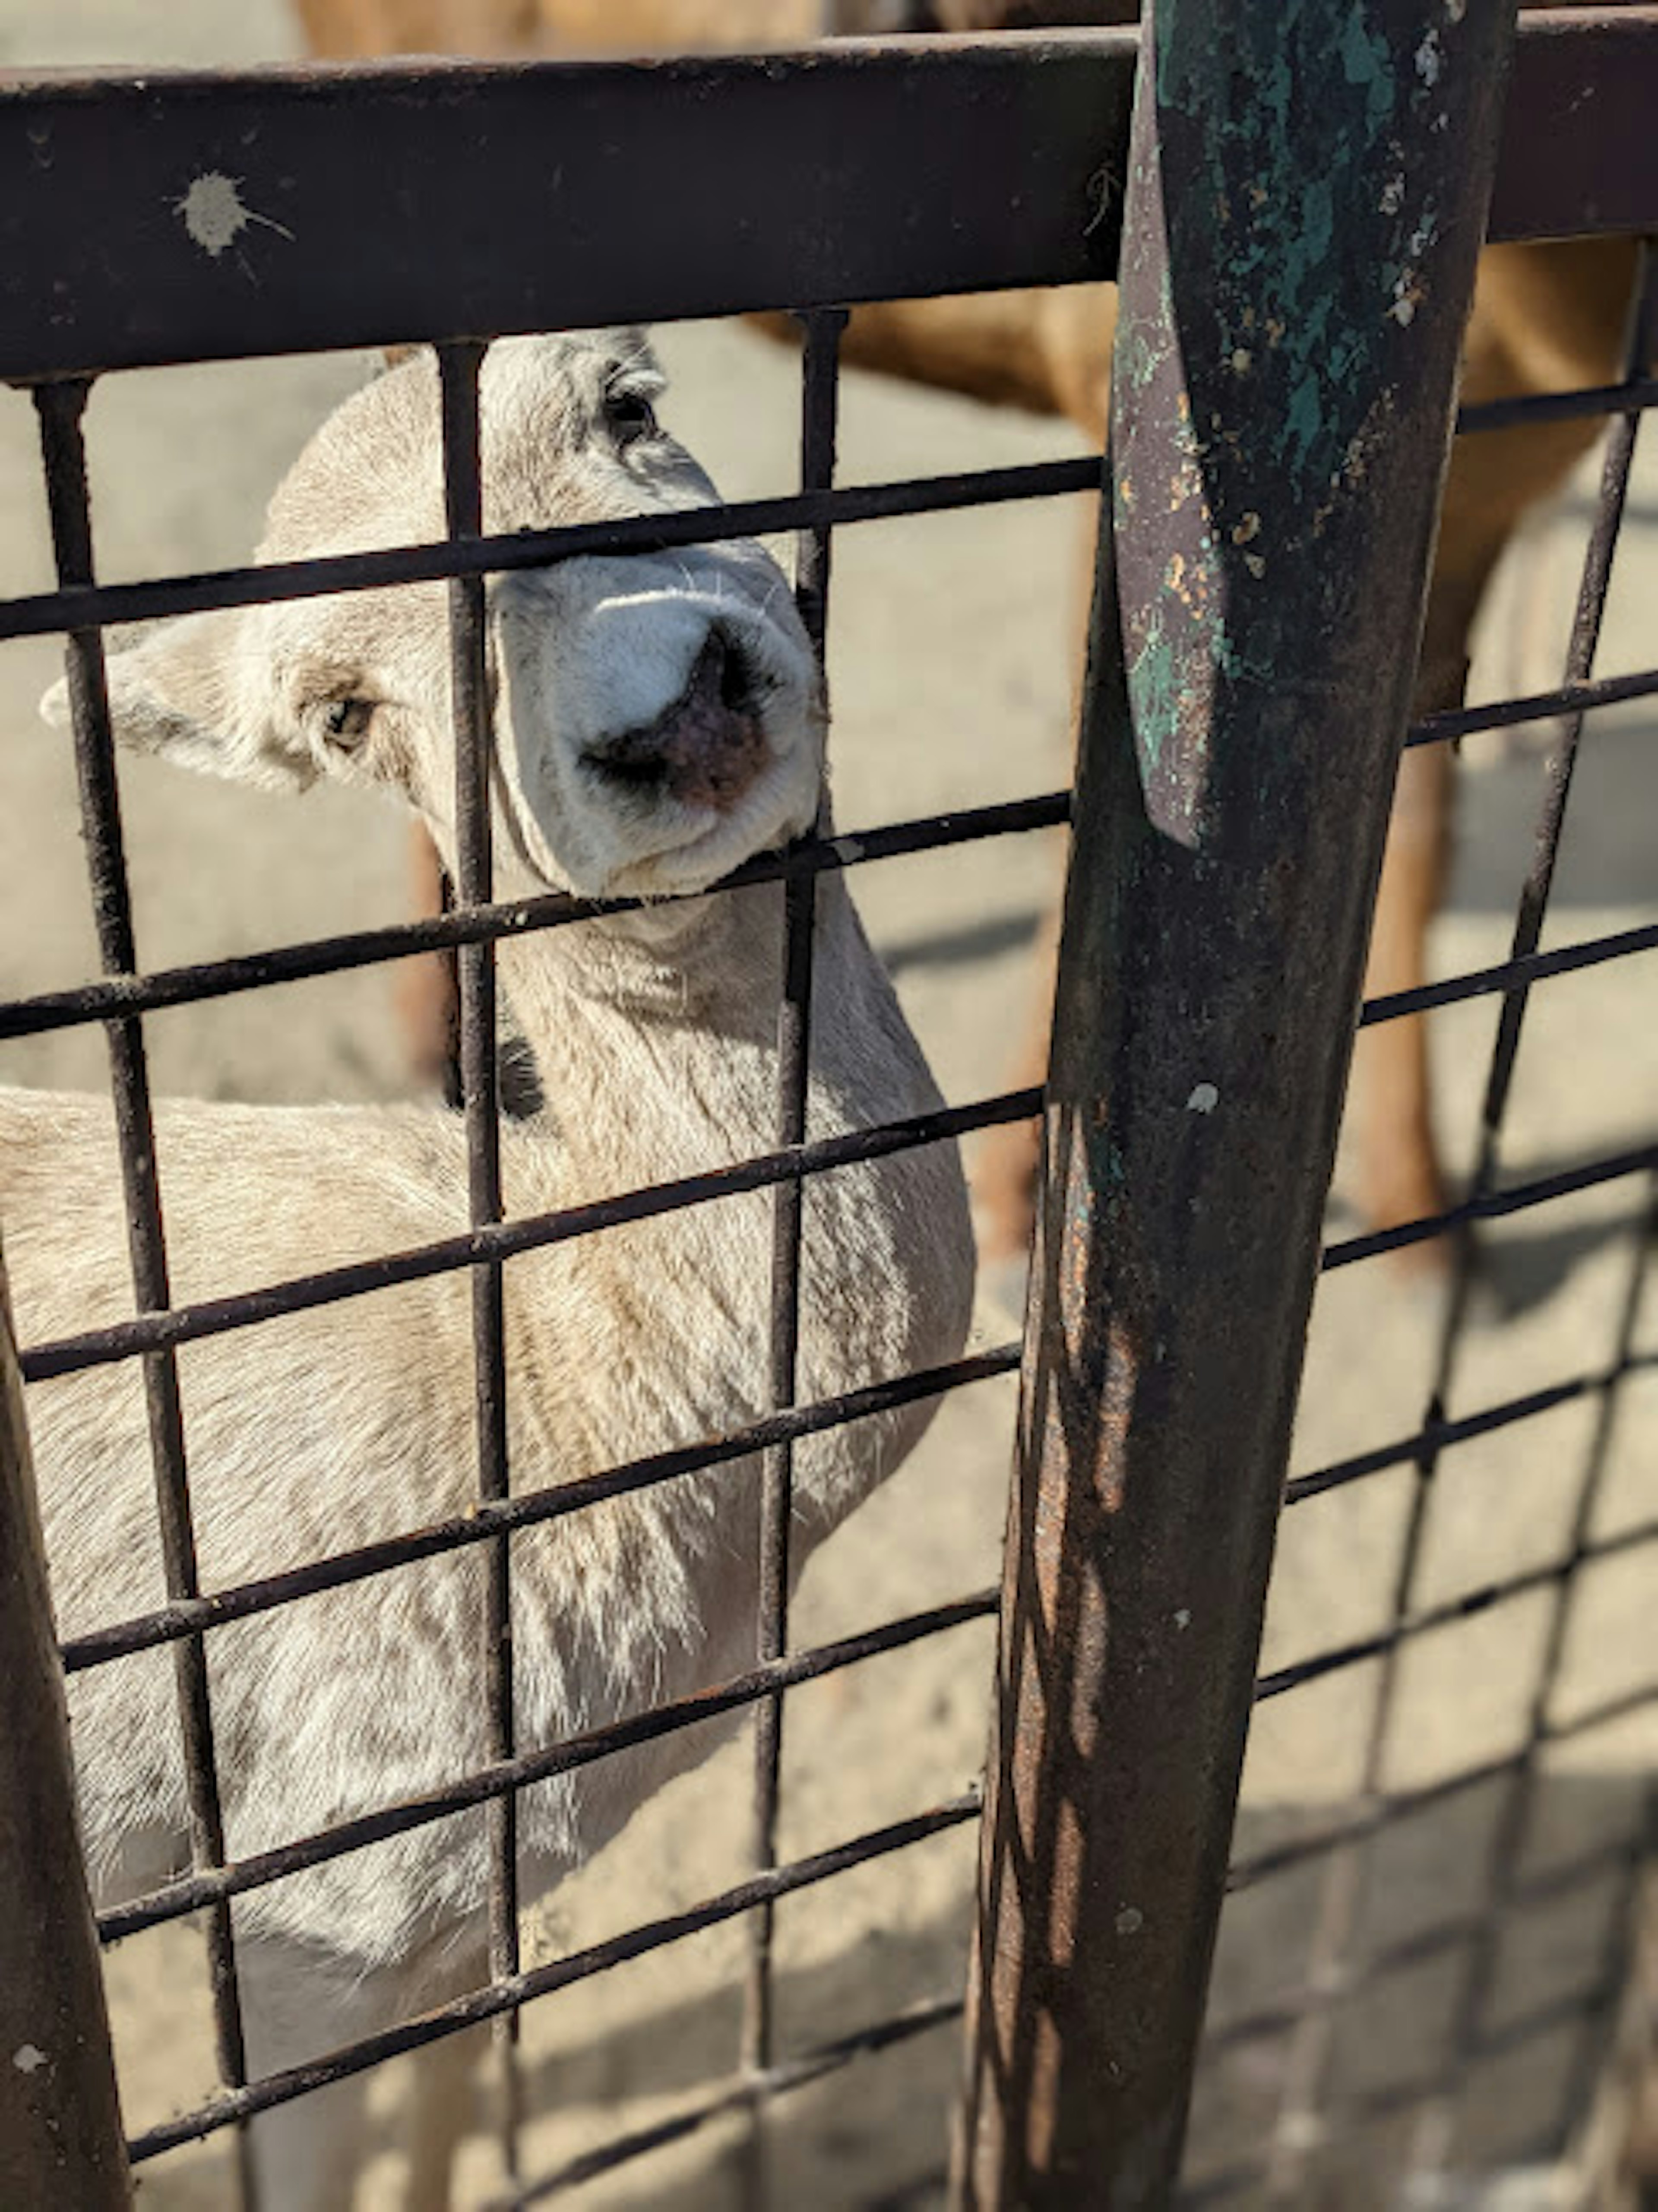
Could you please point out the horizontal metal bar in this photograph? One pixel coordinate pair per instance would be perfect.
(1433, 1438)
(503, 1777)
(1423, 1622)
(98, 1347)
(1492, 1207)
(1583, 87)
(328, 956)
(1388, 1812)
(1537, 706)
(1640, 391)
(90, 606)
(1290, 2005)
(511, 1995)
(233, 215)
(1481, 982)
(524, 1510)
(743, 2094)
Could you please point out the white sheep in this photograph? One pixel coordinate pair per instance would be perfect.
(657, 720)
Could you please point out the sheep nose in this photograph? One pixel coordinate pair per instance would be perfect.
(704, 750)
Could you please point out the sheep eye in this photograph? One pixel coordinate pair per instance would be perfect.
(630, 416)
(346, 721)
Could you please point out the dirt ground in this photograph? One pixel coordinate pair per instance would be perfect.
(950, 676)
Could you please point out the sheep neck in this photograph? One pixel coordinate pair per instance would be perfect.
(657, 1056)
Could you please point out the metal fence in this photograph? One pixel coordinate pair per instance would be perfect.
(1179, 1248)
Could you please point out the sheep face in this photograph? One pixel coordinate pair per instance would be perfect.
(658, 716)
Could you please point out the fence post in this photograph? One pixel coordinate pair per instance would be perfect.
(1307, 193)
(60, 2125)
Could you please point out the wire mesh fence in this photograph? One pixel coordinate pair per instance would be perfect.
(1078, 87)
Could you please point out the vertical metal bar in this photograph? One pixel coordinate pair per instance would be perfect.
(1296, 2130)
(459, 364)
(820, 377)
(60, 2122)
(1305, 199)
(61, 407)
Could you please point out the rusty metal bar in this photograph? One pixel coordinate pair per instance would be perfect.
(500, 1998)
(1458, 722)
(1530, 968)
(328, 956)
(528, 1233)
(527, 1510)
(991, 147)
(750, 2091)
(460, 363)
(1556, 1575)
(61, 409)
(1281, 411)
(1388, 1811)
(820, 367)
(994, 148)
(1436, 1436)
(60, 2122)
(39, 614)
(190, 1892)
(1490, 1206)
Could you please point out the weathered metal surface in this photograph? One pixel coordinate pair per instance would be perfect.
(60, 2125)
(1306, 197)
(180, 216)
(1579, 152)
(61, 407)
(197, 216)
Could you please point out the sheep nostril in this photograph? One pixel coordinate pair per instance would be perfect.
(706, 749)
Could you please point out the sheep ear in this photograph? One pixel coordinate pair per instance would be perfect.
(198, 692)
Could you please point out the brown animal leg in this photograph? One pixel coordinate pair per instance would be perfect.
(1004, 1176)
(1390, 1098)
(426, 1002)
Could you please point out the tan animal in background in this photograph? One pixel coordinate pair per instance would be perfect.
(1544, 317)
(659, 720)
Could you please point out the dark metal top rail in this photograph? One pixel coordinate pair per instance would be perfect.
(179, 217)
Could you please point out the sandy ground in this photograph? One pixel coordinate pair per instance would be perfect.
(950, 682)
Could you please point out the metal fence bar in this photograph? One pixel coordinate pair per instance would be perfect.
(190, 1892)
(1230, 823)
(1438, 1435)
(994, 150)
(526, 1233)
(460, 363)
(1388, 1811)
(1532, 968)
(751, 2091)
(328, 956)
(1281, 2012)
(1493, 1206)
(502, 1997)
(526, 1510)
(60, 2122)
(818, 408)
(1455, 723)
(1555, 1575)
(61, 409)
(77, 606)
(1299, 2126)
